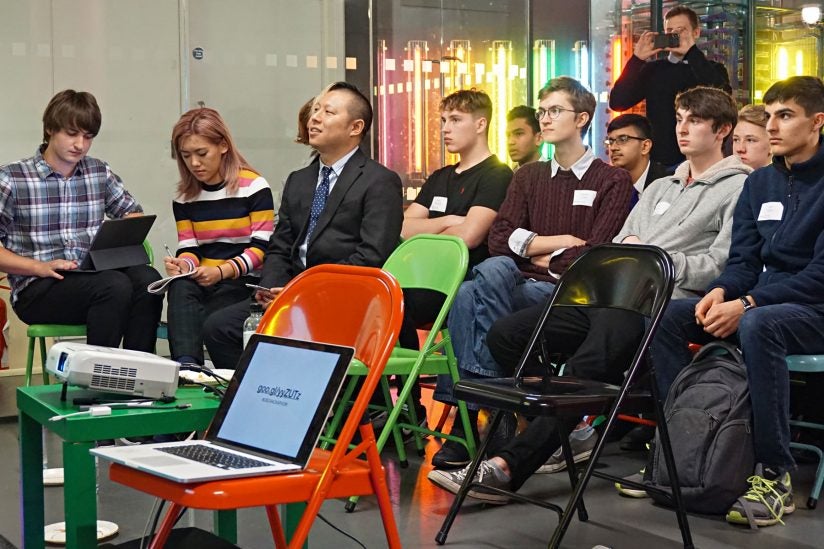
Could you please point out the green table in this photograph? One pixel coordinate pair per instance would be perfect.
(37, 404)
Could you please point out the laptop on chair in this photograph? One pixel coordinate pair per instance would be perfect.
(268, 422)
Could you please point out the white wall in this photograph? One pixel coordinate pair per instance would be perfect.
(262, 60)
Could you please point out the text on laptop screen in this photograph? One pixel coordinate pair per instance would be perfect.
(277, 398)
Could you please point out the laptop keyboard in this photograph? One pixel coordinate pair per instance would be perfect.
(209, 455)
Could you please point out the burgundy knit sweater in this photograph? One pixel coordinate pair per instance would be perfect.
(542, 204)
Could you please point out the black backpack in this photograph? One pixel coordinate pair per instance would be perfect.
(708, 416)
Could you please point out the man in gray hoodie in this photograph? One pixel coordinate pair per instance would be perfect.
(689, 214)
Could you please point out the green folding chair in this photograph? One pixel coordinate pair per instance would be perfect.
(431, 262)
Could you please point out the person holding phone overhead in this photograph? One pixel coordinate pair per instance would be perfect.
(658, 81)
(224, 214)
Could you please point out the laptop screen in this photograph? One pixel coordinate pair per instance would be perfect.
(280, 396)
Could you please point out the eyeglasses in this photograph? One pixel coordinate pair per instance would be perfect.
(621, 140)
(553, 112)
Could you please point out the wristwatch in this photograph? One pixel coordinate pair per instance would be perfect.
(746, 303)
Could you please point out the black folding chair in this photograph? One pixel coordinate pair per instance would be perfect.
(629, 277)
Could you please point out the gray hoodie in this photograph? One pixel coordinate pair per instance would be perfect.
(693, 223)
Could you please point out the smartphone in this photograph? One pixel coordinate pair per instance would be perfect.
(669, 40)
(261, 288)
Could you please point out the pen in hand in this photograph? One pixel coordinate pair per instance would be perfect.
(168, 251)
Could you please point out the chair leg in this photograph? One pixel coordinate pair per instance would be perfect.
(29, 362)
(276, 526)
(43, 360)
(572, 469)
(159, 540)
(680, 510)
(580, 486)
(440, 538)
(379, 486)
(447, 408)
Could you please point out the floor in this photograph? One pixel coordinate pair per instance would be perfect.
(615, 522)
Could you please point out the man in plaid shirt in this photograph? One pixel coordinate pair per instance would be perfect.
(51, 206)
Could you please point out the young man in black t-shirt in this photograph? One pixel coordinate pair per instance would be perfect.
(461, 199)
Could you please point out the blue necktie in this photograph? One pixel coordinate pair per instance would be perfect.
(318, 201)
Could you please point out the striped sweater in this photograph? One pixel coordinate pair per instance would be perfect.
(543, 204)
(215, 228)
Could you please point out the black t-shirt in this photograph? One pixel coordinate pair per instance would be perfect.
(448, 193)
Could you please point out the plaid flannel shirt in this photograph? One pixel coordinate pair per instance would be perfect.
(45, 216)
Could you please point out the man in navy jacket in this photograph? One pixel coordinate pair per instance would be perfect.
(770, 297)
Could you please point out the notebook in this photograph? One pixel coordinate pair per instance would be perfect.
(118, 243)
(268, 422)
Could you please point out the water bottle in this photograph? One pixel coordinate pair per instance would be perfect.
(250, 324)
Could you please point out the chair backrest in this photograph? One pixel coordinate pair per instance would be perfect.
(431, 262)
(340, 304)
(621, 276)
(632, 277)
(361, 307)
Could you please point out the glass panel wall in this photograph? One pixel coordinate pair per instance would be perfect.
(425, 50)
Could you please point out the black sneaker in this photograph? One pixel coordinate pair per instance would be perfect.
(452, 455)
(637, 439)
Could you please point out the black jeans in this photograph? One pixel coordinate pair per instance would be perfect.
(223, 334)
(114, 305)
(600, 344)
(190, 304)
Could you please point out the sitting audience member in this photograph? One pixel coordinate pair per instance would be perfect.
(770, 297)
(658, 81)
(553, 212)
(461, 200)
(523, 135)
(750, 141)
(51, 206)
(224, 215)
(688, 214)
(343, 208)
(628, 142)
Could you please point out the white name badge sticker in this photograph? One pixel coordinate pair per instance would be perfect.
(660, 208)
(771, 211)
(438, 204)
(583, 198)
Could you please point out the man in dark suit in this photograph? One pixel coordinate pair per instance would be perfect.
(343, 208)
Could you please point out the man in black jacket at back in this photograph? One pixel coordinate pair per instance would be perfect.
(659, 81)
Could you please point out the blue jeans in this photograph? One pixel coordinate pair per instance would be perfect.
(497, 289)
(766, 335)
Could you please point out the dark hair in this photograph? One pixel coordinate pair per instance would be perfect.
(304, 114)
(359, 107)
(683, 10)
(636, 121)
(528, 114)
(475, 102)
(807, 91)
(709, 104)
(580, 97)
(71, 110)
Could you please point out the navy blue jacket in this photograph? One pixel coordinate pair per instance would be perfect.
(779, 261)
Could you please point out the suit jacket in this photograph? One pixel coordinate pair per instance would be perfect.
(360, 225)
(656, 171)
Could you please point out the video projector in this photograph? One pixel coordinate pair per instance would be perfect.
(113, 370)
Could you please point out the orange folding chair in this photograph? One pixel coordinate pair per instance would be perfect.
(359, 307)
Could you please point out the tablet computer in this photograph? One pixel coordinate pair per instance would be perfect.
(119, 243)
